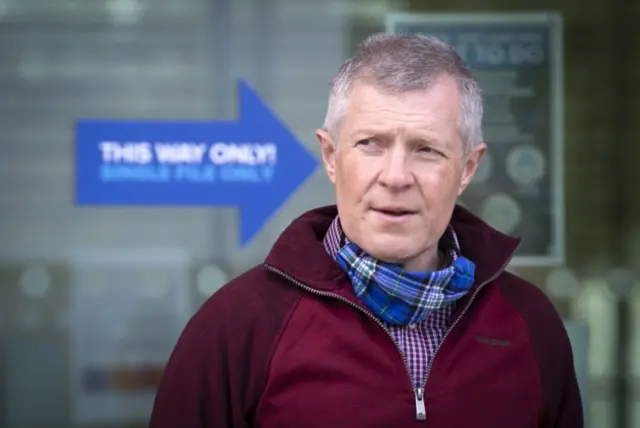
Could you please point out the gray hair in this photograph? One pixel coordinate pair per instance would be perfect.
(397, 63)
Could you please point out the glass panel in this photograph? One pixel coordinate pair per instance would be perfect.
(165, 59)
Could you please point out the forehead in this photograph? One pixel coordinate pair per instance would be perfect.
(432, 110)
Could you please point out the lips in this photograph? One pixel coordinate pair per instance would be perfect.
(395, 211)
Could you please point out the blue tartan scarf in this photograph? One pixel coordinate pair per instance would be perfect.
(400, 297)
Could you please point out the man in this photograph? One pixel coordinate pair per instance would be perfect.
(394, 308)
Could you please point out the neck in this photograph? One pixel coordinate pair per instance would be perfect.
(430, 260)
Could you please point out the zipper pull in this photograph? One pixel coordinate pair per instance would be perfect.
(421, 411)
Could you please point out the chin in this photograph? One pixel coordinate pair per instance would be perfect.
(392, 250)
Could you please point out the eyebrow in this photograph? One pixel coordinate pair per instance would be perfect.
(425, 136)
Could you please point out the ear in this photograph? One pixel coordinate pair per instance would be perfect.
(471, 163)
(328, 147)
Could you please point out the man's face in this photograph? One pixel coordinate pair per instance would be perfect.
(398, 166)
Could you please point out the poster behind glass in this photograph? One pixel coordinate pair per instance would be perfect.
(517, 60)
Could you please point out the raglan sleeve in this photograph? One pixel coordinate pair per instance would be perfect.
(562, 401)
(565, 407)
(217, 372)
(195, 390)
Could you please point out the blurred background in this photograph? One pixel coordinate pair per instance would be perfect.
(92, 299)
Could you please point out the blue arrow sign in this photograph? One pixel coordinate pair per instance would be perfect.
(254, 163)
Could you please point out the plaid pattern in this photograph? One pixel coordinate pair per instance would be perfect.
(398, 296)
(418, 342)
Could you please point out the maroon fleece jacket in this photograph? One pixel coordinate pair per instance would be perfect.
(287, 344)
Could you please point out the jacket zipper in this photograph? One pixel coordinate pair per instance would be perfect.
(421, 412)
(417, 391)
(464, 311)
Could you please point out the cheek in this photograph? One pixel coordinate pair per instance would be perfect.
(353, 179)
(440, 184)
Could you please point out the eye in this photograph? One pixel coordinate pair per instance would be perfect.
(369, 145)
(428, 150)
(366, 142)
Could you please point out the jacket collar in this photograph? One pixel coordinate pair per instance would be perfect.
(299, 251)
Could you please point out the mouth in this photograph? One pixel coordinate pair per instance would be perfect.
(394, 212)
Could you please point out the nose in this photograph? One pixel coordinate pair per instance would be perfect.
(396, 170)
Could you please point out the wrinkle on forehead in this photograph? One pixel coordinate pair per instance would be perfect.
(430, 114)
